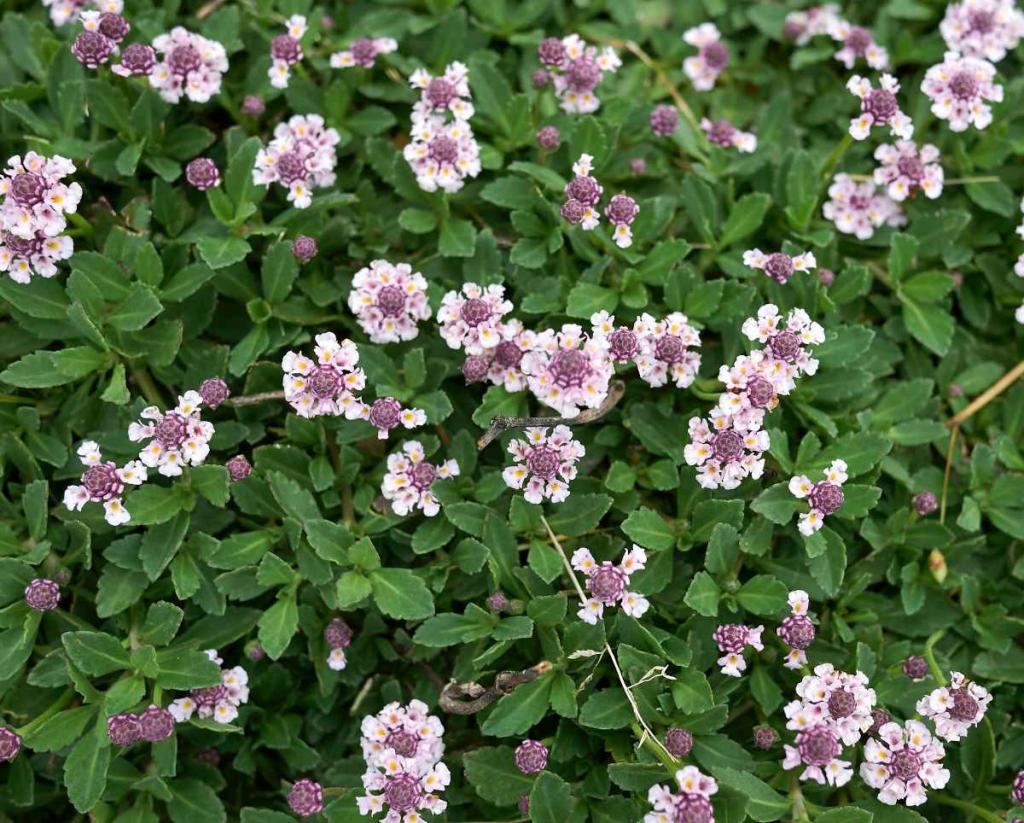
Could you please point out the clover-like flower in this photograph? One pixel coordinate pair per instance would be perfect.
(42, 594)
(219, 702)
(567, 370)
(839, 700)
(858, 208)
(817, 750)
(858, 43)
(472, 317)
(724, 453)
(665, 354)
(306, 797)
(286, 51)
(189, 64)
(408, 731)
(621, 210)
(955, 709)
(137, 60)
(328, 384)
(442, 154)
(711, 59)
(575, 69)
(800, 26)
(363, 52)
(531, 757)
(903, 762)
(961, 89)
(92, 49)
(607, 584)
(544, 464)
(409, 478)
(385, 414)
(179, 437)
(732, 640)
(725, 134)
(982, 28)
(622, 343)
(582, 194)
(103, 482)
(786, 354)
(389, 301)
(447, 93)
(879, 107)
(750, 392)
(905, 169)
(691, 802)
(301, 157)
(824, 497)
(797, 631)
(505, 361)
(403, 787)
(779, 266)
(338, 637)
(63, 12)
(10, 744)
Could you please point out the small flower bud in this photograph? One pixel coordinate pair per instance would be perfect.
(925, 503)
(238, 468)
(202, 174)
(916, 668)
(10, 745)
(156, 724)
(42, 595)
(253, 106)
(826, 277)
(664, 120)
(124, 729)
(638, 166)
(531, 757)
(304, 248)
(306, 797)
(765, 737)
(549, 138)
(678, 742)
(254, 651)
(214, 391)
(497, 602)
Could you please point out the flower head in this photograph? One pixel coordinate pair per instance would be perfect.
(202, 173)
(732, 640)
(92, 49)
(915, 667)
(724, 453)
(103, 482)
(664, 350)
(858, 43)
(178, 437)
(409, 478)
(531, 757)
(925, 503)
(386, 413)
(801, 26)
(42, 594)
(818, 750)
(955, 709)
(566, 369)
(779, 266)
(797, 631)
(544, 464)
(786, 355)
(982, 28)
(389, 301)
(582, 194)
(549, 138)
(839, 700)
(878, 107)
(363, 52)
(189, 64)
(905, 169)
(825, 497)
(678, 742)
(123, 729)
(711, 59)
(575, 69)
(409, 732)
(155, 724)
(725, 134)
(306, 797)
(301, 157)
(961, 89)
(214, 391)
(858, 208)
(472, 318)
(238, 468)
(689, 804)
(664, 120)
(286, 51)
(902, 761)
(326, 385)
(137, 60)
(219, 702)
(607, 584)
(10, 744)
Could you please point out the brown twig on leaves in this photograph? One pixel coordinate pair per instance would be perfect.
(453, 695)
(250, 399)
(502, 423)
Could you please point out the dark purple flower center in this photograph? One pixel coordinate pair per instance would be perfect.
(765, 737)
(91, 47)
(905, 764)
(779, 267)
(475, 311)
(391, 301)
(531, 757)
(423, 474)
(573, 211)
(911, 168)
(324, 382)
(42, 594)
(543, 462)
(881, 105)
(156, 724)
(403, 792)
(291, 167)
(879, 717)
(727, 446)
(209, 696)
(551, 51)
(20, 245)
(508, 355)
(679, 742)
(548, 138)
(826, 497)
(981, 21)
(721, 132)
(102, 482)
(607, 584)
(925, 503)
(585, 189)
(10, 745)
(858, 40)
(214, 391)
(306, 797)
(731, 637)
(172, 430)
(691, 807)
(669, 349)
(363, 52)
(444, 149)
(817, 746)
(760, 392)
(238, 467)
(287, 48)
(385, 413)
(964, 707)
(964, 85)
(915, 667)
(582, 74)
(28, 188)
(785, 345)
(404, 743)
(440, 93)
(304, 248)
(475, 368)
(570, 368)
(123, 729)
(841, 704)
(797, 631)
(623, 344)
(715, 55)
(337, 634)
(184, 59)
(113, 26)
(664, 120)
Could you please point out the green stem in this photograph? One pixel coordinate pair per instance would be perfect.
(956, 181)
(145, 382)
(929, 655)
(984, 814)
(651, 745)
(836, 156)
(58, 704)
(80, 223)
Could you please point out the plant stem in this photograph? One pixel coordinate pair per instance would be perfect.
(987, 396)
(963, 180)
(970, 808)
(945, 478)
(141, 375)
(58, 704)
(836, 156)
(929, 655)
(251, 399)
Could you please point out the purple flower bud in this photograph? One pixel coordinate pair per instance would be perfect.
(664, 120)
(524, 804)
(691, 807)
(818, 745)
(114, 26)
(156, 724)
(306, 797)
(1017, 792)
(716, 55)
(621, 210)
(304, 248)
(531, 757)
(955, 390)
(202, 173)
(214, 391)
(826, 277)
(585, 189)
(124, 729)
(337, 634)
(573, 211)
(385, 413)
(765, 737)
(286, 48)
(327, 22)
(915, 667)
(549, 138)
(92, 49)
(475, 368)
(925, 503)
(638, 166)
(721, 133)
(254, 651)
(138, 59)
(678, 742)
(10, 745)
(497, 601)
(797, 631)
(779, 267)
(879, 717)
(253, 106)
(42, 595)
(551, 51)
(540, 78)
(826, 497)
(238, 468)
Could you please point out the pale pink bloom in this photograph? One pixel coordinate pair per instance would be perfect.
(955, 709)
(566, 369)
(858, 43)
(103, 482)
(732, 640)
(801, 26)
(607, 584)
(389, 300)
(906, 169)
(879, 108)
(408, 731)
(403, 787)
(63, 12)
(336, 660)
(786, 355)
(982, 28)
(961, 89)
(301, 157)
(221, 702)
(664, 350)
(385, 414)
(363, 52)
(692, 798)
(22, 258)
(724, 454)
(779, 266)
(818, 751)
(838, 699)
(326, 384)
(472, 318)
(797, 631)
(409, 478)
(902, 762)
(725, 134)
(825, 497)
(544, 464)
(446, 93)
(711, 59)
(189, 64)
(750, 390)
(286, 51)
(859, 208)
(177, 438)
(442, 154)
(35, 200)
(577, 70)
(1019, 314)
(506, 358)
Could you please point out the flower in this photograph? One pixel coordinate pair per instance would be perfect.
(304, 248)
(549, 138)
(447, 93)
(471, 318)
(765, 737)
(189, 64)
(389, 300)
(42, 595)
(621, 342)
(607, 584)
(1017, 790)
(566, 369)
(214, 391)
(982, 28)
(711, 59)
(906, 169)
(504, 361)
(531, 757)
(955, 709)
(155, 724)
(108, 23)
(961, 89)
(202, 173)
(621, 211)
(858, 43)
(879, 717)
(238, 468)
(123, 729)
(306, 797)
(797, 631)
(878, 107)
(818, 749)
(409, 478)
(10, 744)
(839, 700)
(825, 497)
(286, 51)
(497, 601)
(902, 762)
(545, 464)
(750, 392)
(337, 636)
(786, 356)
(690, 804)
(678, 742)
(177, 437)
(219, 702)
(725, 134)
(801, 26)
(725, 453)
(63, 12)
(92, 49)
(104, 483)
(915, 667)
(406, 786)
(664, 350)
(638, 166)
(664, 120)
(253, 106)
(925, 503)
(575, 70)
(363, 52)
(301, 157)
(779, 266)
(858, 209)
(386, 413)
(324, 386)
(732, 639)
(22, 258)
(582, 194)
(409, 732)
(137, 60)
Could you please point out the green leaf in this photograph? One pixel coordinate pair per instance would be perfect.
(579, 514)
(763, 802)
(801, 189)
(220, 252)
(745, 218)
(649, 529)
(994, 196)
(161, 624)
(85, 769)
(401, 594)
(417, 221)
(278, 625)
(763, 595)
(606, 709)
(516, 713)
(61, 730)
(193, 801)
(95, 653)
(182, 669)
(458, 238)
(930, 324)
(550, 799)
(161, 543)
(692, 692)
(586, 299)
(279, 271)
(493, 773)
(847, 815)
(211, 482)
(776, 503)
(703, 594)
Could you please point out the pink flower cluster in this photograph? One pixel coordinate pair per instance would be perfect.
(906, 169)
(189, 65)
(544, 464)
(961, 89)
(878, 107)
(664, 350)
(606, 584)
(33, 214)
(858, 43)
(779, 266)
(692, 801)
(725, 134)
(567, 369)
(800, 26)
(217, 702)
(711, 59)
(286, 51)
(363, 52)
(785, 356)
(63, 12)
(902, 761)
(179, 437)
(582, 194)
(472, 318)
(301, 157)
(409, 477)
(575, 70)
(724, 451)
(389, 301)
(982, 28)
(858, 208)
(732, 640)
(955, 709)
(824, 497)
(103, 482)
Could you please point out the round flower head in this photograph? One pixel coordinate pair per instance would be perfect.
(202, 173)
(801, 26)
(902, 762)
(607, 584)
(725, 134)
(858, 208)
(905, 169)
(724, 453)
(961, 89)
(503, 363)
(732, 639)
(638, 166)
(711, 59)
(765, 737)
(982, 28)
(304, 248)
(779, 266)
(621, 211)
(750, 392)
(575, 70)
(385, 414)
(664, 350)
(442, 154)
(786, 355)
(689, 804)
(253, 106)
(797, 631)
(123, 729)
(301, 157)
(34, 208)
(108, 23)
(817, 750)
(337, 634)
(879, 717)
(178, 437)
(841, 701)
(582, 194)
(22, 258)
(103, 482)
(137, 60)
(286, 51)
(389, 301)
(825, 497)
(622, 343)
(238, 468)
(155, 724)
(327, 384)
(664, 120)
(445, 93)
(567, 370)
(678, 742)
(404, 787)
(915, 667)
(92, 49)
(214, 392)
(858, 43)
(306, 797)
(925, 503)
(10, 744)
(531, 757)
(409, 478)
(217, 702)
(878, 107)
(1017, 790)
(955, 709)
(363, 52)
(549, 138)
(471, 318)
(42, 595)
(408, 732)
(544, 464)
(189, 64)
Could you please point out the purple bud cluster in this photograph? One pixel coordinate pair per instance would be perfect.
(152, 725)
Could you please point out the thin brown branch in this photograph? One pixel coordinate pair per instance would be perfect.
(987, 396)
(502, 423)
(453, 696)
(251, 399)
